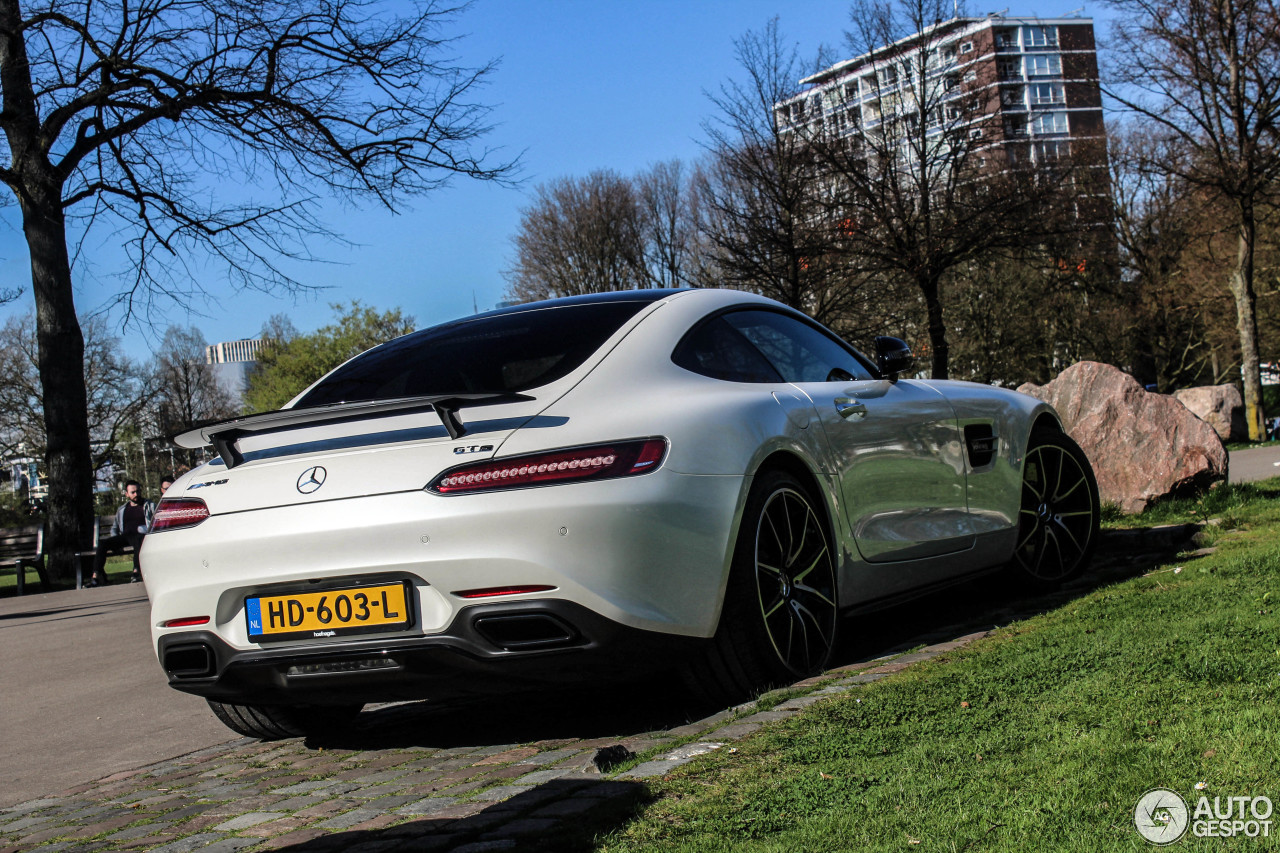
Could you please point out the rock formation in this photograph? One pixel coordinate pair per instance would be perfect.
(1143, 446)
(1220, 406)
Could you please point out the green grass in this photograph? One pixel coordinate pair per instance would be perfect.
(118, 571)
(1163, 680)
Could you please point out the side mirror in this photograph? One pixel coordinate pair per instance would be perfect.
(893, 357)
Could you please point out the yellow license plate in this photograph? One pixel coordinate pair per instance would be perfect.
(332, 613)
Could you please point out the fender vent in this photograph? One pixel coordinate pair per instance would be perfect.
(981, 442)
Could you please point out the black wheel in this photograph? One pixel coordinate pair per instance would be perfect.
(274, 722)
(780, 613)
(1059, 513)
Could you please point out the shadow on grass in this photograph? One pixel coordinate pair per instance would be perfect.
(630, 709)
(558, 815)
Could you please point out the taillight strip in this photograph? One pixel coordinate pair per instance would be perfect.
(173, 513)
(575, 464)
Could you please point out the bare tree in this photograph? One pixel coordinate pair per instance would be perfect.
(763, 223)
(1202, 73)
(913, 173)
(186, 386)
(116, 387)
(668, 208)
(116, 111)
(580, 235)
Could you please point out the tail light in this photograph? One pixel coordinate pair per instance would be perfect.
(595, 462)
(178, 512)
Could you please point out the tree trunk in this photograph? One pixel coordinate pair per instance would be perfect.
(61, 362)
(937, 328)
(38, 187)
(1247, 324)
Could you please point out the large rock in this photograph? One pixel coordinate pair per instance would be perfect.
(1220, 406)
(1143, 446)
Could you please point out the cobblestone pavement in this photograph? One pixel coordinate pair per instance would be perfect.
(544, 773)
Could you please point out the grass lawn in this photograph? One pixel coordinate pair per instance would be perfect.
(118, 571)
(1040, 737)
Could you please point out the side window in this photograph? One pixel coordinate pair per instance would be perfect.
(718, 350)
(798, 351)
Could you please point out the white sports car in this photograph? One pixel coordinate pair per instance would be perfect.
(591, 486)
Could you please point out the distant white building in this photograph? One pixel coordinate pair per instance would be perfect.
(232, 362)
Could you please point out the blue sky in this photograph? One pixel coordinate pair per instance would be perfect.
(582, 85)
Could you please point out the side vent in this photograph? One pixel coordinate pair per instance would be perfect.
(981, 442)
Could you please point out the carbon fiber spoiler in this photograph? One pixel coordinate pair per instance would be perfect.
(224, 435)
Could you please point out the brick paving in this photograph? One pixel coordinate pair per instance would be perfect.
(291, 795)
(409, 780)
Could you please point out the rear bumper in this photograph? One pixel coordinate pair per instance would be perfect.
(487, 649)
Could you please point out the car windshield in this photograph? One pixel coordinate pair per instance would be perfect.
(493, 354)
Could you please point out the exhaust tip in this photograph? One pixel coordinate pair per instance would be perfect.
(192, 660)
(526, 631)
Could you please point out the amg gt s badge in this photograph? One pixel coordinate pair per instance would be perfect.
(311, 479)
(473, 448)
(206, 484)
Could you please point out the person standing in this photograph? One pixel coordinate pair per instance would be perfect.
(132, 521)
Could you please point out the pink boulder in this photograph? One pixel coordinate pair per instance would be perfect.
(1220, 406)
(1142, 446)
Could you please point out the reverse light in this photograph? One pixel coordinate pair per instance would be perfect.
(594, 462)
(490, 592)
(173, 513)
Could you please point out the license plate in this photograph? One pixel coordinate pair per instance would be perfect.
(331, 613)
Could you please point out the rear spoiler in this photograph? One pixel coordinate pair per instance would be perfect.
(224, 435)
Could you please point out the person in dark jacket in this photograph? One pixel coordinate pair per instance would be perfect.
(133, 520)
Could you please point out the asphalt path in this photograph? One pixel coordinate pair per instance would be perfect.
(81, 694)
(1254, 463)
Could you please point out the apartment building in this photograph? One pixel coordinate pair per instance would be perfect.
(1013, 86)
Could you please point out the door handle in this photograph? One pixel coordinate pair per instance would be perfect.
(849, 408)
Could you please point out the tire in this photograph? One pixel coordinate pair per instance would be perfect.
(275, 722)
(780, 614)
(1058, 514)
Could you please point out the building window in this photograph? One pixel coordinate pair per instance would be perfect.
(1045, 65)
(1015, 127)
(1040, 36)
(970, 76)
(1006, 39)
(975, 133)
(1013, 97)
(949, 52)
(1047, 93)
(851, 91)
(1009, 69)
(1051, 152)
(1051, 123)
(966, 47)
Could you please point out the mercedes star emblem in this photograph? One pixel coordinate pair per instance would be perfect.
(311, 479)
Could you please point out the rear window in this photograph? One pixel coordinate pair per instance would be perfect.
(486, 355)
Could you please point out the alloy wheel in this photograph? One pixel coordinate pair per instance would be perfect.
(795, 581)
(1057, 517)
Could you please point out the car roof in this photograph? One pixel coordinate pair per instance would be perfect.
(647, 295)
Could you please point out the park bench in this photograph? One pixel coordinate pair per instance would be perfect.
(21, 547)
(101, 530)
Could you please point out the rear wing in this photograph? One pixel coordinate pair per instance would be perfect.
(224, 435)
